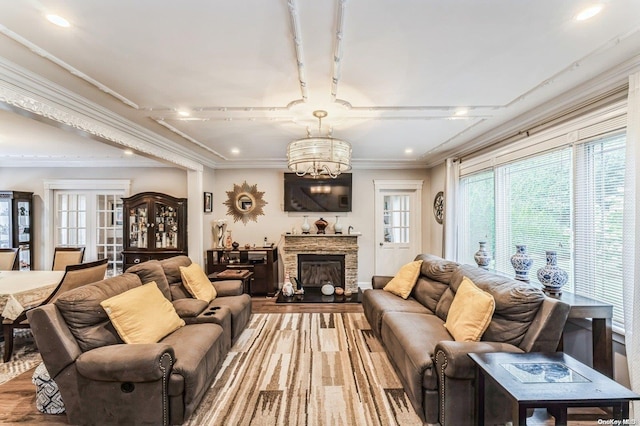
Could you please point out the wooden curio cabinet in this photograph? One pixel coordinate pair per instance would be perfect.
(155, 227)
(16, 224)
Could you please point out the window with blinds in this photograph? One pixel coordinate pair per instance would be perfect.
(568, 199)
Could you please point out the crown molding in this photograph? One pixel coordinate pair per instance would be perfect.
(609, 80)
(32, 94)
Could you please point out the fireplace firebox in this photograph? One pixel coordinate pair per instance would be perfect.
(315, 270)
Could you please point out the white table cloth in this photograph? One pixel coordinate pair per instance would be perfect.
(20, 290)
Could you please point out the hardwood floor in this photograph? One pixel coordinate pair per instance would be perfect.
(17, 397)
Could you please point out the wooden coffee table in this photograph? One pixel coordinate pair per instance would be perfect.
(554, 381)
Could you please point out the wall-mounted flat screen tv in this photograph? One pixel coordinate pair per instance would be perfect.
(305, 194)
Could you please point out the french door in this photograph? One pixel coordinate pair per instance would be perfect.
(398, 235)
(92, 219)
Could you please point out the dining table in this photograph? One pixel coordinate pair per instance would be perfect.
(21, 290)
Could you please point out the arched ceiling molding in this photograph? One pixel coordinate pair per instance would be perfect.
(29, 92)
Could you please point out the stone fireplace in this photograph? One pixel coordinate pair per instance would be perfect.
(321, 256)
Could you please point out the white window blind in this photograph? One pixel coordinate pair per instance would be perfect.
(533, 207)
(569, 199)
(477, 215)
(600, 169)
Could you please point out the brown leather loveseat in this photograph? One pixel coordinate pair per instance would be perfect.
(103, 380)
(435, 370)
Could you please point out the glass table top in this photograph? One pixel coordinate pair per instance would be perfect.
(543, 372)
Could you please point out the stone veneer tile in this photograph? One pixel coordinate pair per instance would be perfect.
(323, 244)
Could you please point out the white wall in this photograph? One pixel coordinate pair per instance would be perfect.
(435, 231)
(168, 180)
(276, 221)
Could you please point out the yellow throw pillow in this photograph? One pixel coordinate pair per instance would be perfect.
(142, 314)
(197, 282)
(470, 312)
(402, 284)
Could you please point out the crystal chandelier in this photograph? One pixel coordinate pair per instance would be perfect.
(319, 156)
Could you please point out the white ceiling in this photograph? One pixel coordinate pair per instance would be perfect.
(391, 74)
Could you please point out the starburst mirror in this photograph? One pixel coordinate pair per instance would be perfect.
(245, 203)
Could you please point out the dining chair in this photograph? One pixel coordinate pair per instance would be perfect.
(9, 259)
(63, 256)
(74, 276)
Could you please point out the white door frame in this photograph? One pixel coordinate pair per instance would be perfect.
(415, 188)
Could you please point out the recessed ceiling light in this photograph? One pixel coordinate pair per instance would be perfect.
(184, 113)
(58, 20)
(408, 151)
(461, 111)
(128, 152)
(235, 151)
(589, 12)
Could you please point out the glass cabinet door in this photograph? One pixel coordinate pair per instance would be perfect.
(166, 226)
(24, 233)
(138, 225)
(5, 223)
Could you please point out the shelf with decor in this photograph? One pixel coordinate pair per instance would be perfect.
(16, 224)
(154, 227)
(262, 261)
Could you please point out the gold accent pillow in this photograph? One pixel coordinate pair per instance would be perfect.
(470, 312)
(197, 283)
(402, 284)
(142, 314)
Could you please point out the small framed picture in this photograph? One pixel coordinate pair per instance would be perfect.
(208, 202)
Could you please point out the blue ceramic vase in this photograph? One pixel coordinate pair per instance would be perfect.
(551, 276)
(521, 262)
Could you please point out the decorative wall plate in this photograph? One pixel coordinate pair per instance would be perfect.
(438, 207)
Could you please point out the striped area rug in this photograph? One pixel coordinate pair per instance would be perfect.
(25, 356)
(306, 369)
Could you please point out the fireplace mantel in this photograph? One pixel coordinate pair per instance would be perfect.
(346, 244)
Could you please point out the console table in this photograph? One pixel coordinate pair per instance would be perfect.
(601, 331)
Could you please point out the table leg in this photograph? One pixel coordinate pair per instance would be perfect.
(559, 412)
(602, 335)
(479, 397)
(621, 411)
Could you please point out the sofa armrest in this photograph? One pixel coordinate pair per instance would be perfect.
(58, 347)
(228, 288)
(452, 358)
(379, 281)
(127, 363)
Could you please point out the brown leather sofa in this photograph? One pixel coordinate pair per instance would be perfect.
(436, 372)
(105, 381)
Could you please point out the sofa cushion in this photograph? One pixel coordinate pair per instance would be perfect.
(376, 303)
(151, 270)
(199, 351)
(142, 314)
(516, 302)
(428, 291)
(189, 307)
(197, 283)
(86, 319)
(172, 266)
(437, 268)
(240, 307)
(470, 312)
(404, 280)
